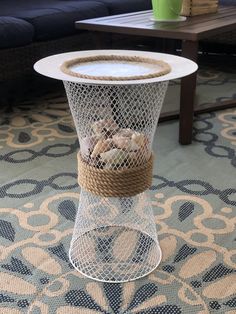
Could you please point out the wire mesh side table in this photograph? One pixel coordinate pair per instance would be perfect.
(115, 107)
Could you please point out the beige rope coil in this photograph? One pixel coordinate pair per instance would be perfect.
(165, 67)
(115, 183)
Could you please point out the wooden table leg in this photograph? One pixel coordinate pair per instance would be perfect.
(187, 95)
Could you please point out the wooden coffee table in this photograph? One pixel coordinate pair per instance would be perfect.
(189, 32)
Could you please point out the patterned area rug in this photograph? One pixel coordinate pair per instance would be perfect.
(193, 197)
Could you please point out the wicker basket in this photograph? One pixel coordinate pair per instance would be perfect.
(197, 7)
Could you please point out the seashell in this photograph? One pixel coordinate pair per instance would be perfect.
(133, 146)
(139, 138)
(102, 146)
(114, 157)
(125, 133)
(87, 144)
(125, 143)
(137, 158)
(121, 142)
(105, 127)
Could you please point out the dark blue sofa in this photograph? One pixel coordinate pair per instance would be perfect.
(26, 21)
(31, 29)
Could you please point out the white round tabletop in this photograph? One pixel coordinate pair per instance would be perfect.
(51, 66)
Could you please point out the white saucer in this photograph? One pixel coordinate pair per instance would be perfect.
(51, 66)
(179, 19)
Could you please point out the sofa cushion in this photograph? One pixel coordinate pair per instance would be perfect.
(15, 32)
(227, 2)
(125, 6)
(53, 18)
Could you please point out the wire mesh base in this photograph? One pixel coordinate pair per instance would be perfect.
(114, 239)
(107, 268)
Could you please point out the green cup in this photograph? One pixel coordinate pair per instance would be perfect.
(166, 9)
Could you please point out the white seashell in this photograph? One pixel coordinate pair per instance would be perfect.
(139, 138)
(125, 133)
(114, 156)
(105, 127)
(101, 147)
(133, 146)
(125, 143)
(87, 144)
(121, 142)
(140, 156)
(129, 139)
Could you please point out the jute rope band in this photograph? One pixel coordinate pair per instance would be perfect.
(165, 67)
(115, 183)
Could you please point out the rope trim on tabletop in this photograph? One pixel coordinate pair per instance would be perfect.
(65, 67)
(115, 183)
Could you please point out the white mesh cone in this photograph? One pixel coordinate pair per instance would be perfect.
(115, 238)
